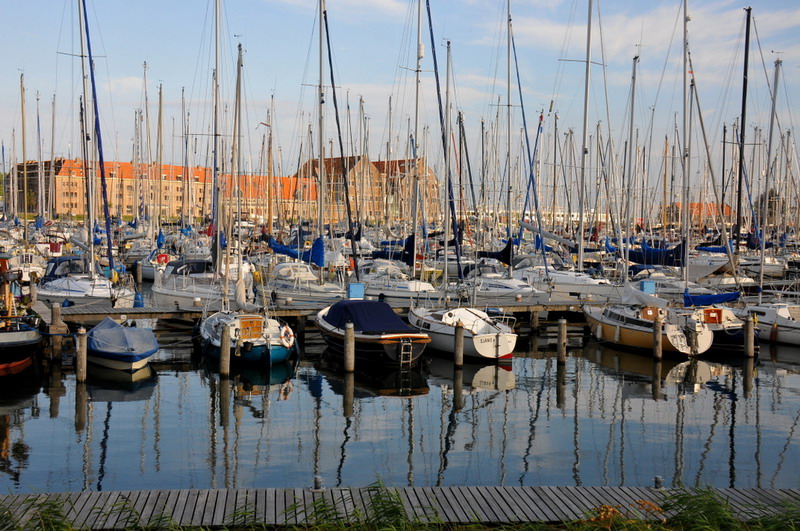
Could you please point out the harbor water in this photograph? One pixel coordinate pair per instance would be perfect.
(604, 418)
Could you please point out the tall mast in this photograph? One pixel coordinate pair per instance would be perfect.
(685, 166)
(508, 133)
(415, 147)
(24, 161)
(765, 195)
(584, 141)
(215, 178)
(322, 190)
(742, 127)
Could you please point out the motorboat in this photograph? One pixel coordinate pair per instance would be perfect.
(254, 337)
(485, 338)
(116, 346)
(381, 336)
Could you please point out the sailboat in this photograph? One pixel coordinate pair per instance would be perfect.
(77, 277)
(19, 332)
(254, 337)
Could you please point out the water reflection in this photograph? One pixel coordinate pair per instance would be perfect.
(602, 418)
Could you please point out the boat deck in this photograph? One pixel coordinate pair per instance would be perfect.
(281, 507)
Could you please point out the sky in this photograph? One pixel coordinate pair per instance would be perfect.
(373, 45)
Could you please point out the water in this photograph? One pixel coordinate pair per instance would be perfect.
(598, 420)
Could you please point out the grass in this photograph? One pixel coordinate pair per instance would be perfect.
(383, 510)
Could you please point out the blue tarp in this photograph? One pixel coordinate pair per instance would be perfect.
(316, 255)
(368, 317)
(708, 300)
(160, 239)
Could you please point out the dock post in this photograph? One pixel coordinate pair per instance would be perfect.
(349, 394)
(562, 340)
(57, 328)
(80, 358)
(349, 348)
(534, 321)
(137, 271)
(458, 345)
(34, 292)
(225, 352)
(749, 337)
(658, 337)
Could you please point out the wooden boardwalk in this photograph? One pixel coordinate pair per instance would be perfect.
(279, 507)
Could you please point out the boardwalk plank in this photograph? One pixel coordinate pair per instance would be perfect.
(583, 499)
(345, 499)
(361, 500)
(29, 506)
(163, 514)
(741, 503)
(431, 510)
(503, 505)
(439, 502)
(218, 509)
(121, 511)
(269, 507)
(280, 507)
(200, 507)
(96, 515)
(563, 507)
(158, 507)
(531, 511)
(456, 503)
(180, 506)
(75, 501)
(543, 503)
(187, 518)
(85, 516)
(409, 501)
(489, 513)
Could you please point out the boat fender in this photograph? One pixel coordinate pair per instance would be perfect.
(162, 259)
(287, 336)
(247, 346)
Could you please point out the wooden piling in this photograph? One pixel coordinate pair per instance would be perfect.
(562, 340)
(137, 271)
(225, 352)
(34, 292)
(658, 337)
(349, 348)
(458, 345)
(656, 385)
(81, 345)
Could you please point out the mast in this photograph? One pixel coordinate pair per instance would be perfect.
(584, 147)
(685, 167)
(215, 178)
(24, 161)
(322, 190)
(508, 135)
(765, 205)
(415, 139)
(742, 128)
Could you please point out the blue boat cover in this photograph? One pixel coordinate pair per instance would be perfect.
(368, 317)
(708, 300)
(316, 255)
(110, 339)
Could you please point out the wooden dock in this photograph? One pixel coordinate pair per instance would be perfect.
(285, 507)
(90, 314)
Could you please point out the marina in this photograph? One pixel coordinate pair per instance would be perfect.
(473, 316)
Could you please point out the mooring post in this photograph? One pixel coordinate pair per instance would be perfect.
(749, 337)
(137, 271)
(225, 352)
(656, 385)
(534, 321)
(56, 329)
(349, 347)
(658, 337)
(34, 292)
(80, 359)
(562, 340)
(458, 345)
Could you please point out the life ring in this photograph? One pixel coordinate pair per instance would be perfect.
(287, 336)
(162, 259)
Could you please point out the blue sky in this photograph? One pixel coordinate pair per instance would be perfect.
(373, 45)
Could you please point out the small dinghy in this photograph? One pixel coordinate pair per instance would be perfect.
(124, 348)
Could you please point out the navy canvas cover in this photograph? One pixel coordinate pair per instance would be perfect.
(368, 317)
